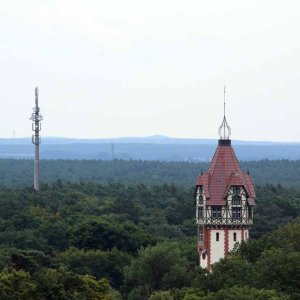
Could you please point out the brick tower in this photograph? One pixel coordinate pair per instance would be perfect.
(225, 198)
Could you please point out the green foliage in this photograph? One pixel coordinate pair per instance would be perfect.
(190, 294)
(280, 270)
(16, 285)
(108, 264)
(75, 240)
(62, 284)
(160, 267)
(237, 270)
(96, 233)
(19, 172)
(53, 284)
(161, 295)
(244, 293)
(275, 206)
(84, 229)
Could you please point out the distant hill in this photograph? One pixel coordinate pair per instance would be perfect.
(145, 148)
(154, 139)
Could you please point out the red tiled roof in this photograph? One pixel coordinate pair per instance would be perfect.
(224, 171)
(217, 201)
(251, 201)
(204, 181)
(250, 185)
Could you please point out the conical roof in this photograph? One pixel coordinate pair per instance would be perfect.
(224, 171)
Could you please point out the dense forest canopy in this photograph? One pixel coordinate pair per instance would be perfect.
(20, 172)
(138, 241)
(125, 229)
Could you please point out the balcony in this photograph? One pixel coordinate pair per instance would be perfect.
(224, 221)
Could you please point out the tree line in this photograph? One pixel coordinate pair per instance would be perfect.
(20, 172)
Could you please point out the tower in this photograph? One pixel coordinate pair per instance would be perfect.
(224, 197)
(36, 118)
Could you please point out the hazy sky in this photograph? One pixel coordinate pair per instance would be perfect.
(137, 68)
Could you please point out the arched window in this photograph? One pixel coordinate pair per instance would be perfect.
(200, 194)
(234, 236)
(217, 236)
(236, 197)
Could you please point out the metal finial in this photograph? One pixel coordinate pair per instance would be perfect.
(224, 100)
(224, 129)
(36, 96)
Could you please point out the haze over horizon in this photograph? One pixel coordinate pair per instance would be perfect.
(141, 68)
(152, 139)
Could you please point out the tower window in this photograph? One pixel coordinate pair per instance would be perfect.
(217, 236)
(200, 200)
(200, 195)
(234, 236)
(216, 211)
(201, 234)
(236, 197)
(200, 212)
(236, 212)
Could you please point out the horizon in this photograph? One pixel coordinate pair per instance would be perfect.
(154, 136)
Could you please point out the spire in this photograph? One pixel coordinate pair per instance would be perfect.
(224, 129)
(36, 97)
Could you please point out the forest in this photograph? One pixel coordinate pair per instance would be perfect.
(89, 240)
(19, 173)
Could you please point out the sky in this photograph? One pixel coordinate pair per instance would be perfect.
(137, 68)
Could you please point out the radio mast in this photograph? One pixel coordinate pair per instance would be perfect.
(36, 118)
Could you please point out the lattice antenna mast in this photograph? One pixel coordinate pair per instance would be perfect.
(224, 129)
(36, 118)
